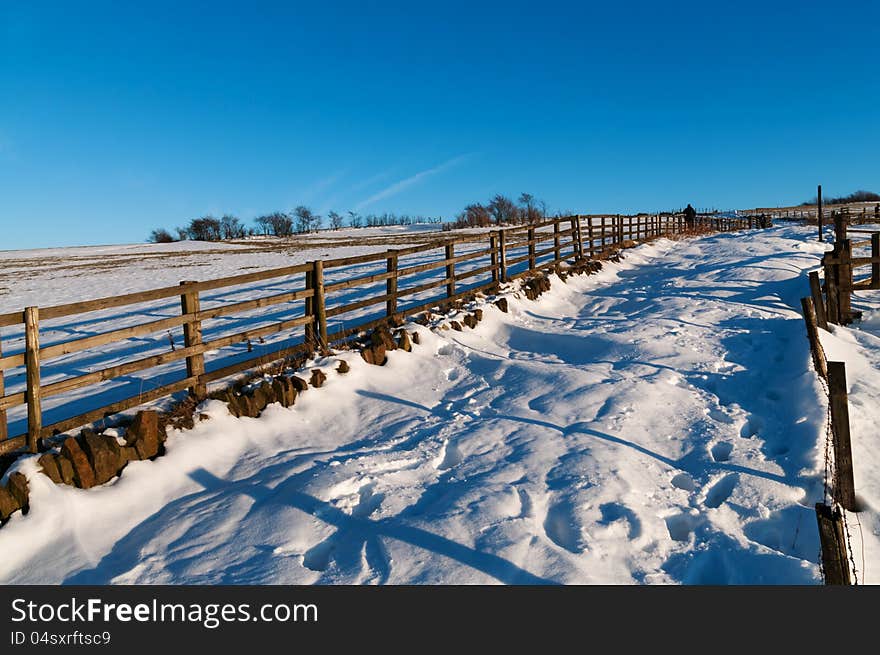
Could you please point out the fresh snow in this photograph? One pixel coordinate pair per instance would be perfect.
(656, 423)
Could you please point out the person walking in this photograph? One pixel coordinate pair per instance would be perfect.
(690, 216)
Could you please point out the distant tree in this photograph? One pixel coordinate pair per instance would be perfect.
(231, 227)
(502, 209)
(278, 224)
(855, 196)
(182, 234)
(354, 219)
(161, 235)
(335, 220)
(206, 228)
(528, 208)
(264, 224)
(306, 219)
(475, 215)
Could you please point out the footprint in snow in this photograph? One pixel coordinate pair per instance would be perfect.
(721, 451)
(721, 490)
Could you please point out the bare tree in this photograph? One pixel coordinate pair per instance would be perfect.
(161, 235)
(306, 219)
(335, 220)
(502, 209)
(206, 228)
(528, 208)
(231, 227)
(475, 215)
(354, 219)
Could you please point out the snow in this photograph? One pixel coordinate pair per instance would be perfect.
(656, 423)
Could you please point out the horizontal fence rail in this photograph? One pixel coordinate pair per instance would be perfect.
(74, 364)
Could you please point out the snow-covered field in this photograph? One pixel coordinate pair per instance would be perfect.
(656, 423)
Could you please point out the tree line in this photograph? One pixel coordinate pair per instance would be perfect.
(302, 220)
(855, 196)
(500, 210)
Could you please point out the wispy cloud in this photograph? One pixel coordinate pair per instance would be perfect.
(406, 183)
(317, 189)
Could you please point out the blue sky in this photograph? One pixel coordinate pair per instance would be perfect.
(115, 120)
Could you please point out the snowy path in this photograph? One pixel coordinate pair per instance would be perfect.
(655, 423)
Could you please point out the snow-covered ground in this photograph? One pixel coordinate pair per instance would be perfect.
(655, 423)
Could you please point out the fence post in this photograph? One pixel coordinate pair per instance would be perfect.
(818, 304)
(32, 364)
(875, 265)
(618, 234)
(309, 310)
(844, 281)
(4, 431)
(502, 246)
(576, 246)
(603, 235)
(391, 284)
(192, 336)
(450, 270)
(531, 237)
(318, 304)
(556, 242)
(839, 226)
(835, 563)
(493, 247)
(816, 349)
(844, 487)
(831, 295)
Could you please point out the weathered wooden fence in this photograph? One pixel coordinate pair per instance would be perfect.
(819, 311)
(840, 267)
(321, 302)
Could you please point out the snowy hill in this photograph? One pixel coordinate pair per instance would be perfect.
(656, 423)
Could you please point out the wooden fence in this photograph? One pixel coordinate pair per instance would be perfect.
(840, 267)
(819, 311)
(321, 302)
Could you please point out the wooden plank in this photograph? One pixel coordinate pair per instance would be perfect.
(32, 362)
(493, 247)
(320, 311)
(13, 318)
(360, 304)
(118, 406)
(391, 286)
(152, 361)
(68, 309)
(4, 431)
(875, 260)
(192, 337)
(531, 248)
(450, 270)
(358, 281)
(590, 234)
(265, 358)
(309, 311)
(818, 303)
(844, 486)
(556, 241)
(503, 254)
(844, 281)
(835, 563)
(440, 263)
(816, 349)
(433, 284)
(831, 295)
(473, 272)
(13, 444)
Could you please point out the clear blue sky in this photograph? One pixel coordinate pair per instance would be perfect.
(115, 120)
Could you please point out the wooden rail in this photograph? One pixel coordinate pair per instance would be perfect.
(493, 257)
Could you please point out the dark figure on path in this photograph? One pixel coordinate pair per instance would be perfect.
(690, 216)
